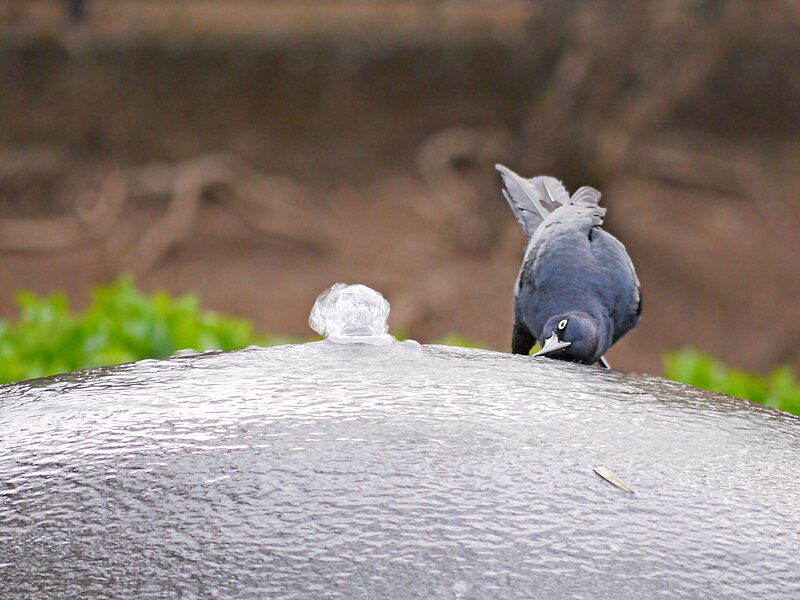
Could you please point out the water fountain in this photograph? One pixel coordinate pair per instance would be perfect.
(364, 467)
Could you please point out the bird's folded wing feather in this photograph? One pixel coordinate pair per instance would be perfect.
(587, 202)
(589, 198)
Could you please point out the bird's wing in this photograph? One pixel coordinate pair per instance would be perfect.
(622, 294)
(532, 200)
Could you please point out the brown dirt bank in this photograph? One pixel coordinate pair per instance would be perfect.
(367, 158)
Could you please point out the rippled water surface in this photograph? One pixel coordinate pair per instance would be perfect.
(350, 471)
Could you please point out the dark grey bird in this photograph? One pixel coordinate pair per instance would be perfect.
(577, 291)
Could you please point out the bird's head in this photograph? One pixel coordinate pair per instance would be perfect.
(572, 337)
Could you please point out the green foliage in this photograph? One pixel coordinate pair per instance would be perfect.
(121, 325)
(456, 339)
(779, 390)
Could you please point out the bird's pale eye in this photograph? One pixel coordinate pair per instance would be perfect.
(562, 324)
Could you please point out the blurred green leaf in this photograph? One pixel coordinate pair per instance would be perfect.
(122, 324)
(779, 390)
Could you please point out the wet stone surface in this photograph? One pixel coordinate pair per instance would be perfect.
(355, 471)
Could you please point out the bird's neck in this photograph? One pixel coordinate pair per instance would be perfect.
(605, 328)
(596, 317)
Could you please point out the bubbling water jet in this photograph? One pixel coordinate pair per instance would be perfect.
(351, 314)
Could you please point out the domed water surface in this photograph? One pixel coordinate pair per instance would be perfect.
(355, 471)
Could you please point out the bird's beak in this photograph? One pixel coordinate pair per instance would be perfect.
(551, 344)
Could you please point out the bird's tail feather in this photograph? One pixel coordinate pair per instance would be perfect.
(532, 200)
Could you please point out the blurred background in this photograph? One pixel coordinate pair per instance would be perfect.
(256, 152)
